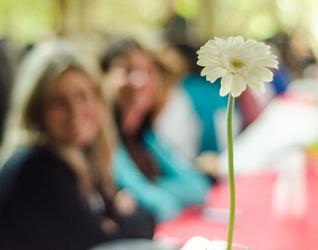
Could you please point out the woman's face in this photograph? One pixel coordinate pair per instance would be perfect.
(137, 82)
(134, 77)
(72, 113)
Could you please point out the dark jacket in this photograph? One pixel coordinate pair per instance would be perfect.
(40, 207)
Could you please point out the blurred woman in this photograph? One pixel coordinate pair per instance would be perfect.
(159, 179)
(57, 190)
(6, 75)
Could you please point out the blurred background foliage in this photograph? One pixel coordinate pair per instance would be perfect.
(28, 21)
(293, 25)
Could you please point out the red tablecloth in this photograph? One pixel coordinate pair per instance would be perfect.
(256, 226)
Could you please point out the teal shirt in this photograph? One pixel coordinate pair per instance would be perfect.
(206, 101)
(180, 184)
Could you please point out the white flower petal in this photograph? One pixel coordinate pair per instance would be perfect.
(219, 42)
(240, 82)
(266, 74)
(235, 91)
(203, 62)
(252, 76)
(257, 85)
(255, 81)
(237, 62)
(215, 74)
(208, 69)
(266, 62)
(262, 88)
(239, 40)
(226, 84)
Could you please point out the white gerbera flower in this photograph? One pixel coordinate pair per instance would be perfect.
(238, 63)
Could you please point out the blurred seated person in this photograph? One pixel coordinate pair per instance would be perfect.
(203, 96)
(57, 189)
(158, 178)
(193, 119)
(195, 104)
(6, 77)
(280, 46)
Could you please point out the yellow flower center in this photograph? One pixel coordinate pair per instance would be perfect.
(237, 64)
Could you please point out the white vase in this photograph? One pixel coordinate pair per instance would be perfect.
(202, 243)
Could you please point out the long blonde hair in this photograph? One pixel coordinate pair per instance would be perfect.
(24, 123)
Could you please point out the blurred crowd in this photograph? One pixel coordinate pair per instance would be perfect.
(98, 146)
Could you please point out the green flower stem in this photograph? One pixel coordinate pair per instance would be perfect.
(230, 108)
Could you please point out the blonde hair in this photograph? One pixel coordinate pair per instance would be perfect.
(24, 124)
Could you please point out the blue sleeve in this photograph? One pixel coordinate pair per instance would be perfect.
(180, 185)
(161, 203)
(180, 177)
